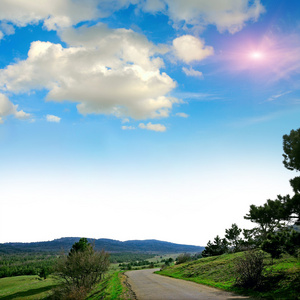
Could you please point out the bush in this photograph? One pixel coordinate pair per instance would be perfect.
(182, 258)
(249, 269)
(80, 270)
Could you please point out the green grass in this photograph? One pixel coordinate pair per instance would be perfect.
(25, 287)
(111, 288)
(281, 280)
(32, 287)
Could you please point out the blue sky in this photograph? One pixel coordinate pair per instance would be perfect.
(143, 119)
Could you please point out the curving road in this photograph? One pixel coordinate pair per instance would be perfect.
(149, 286)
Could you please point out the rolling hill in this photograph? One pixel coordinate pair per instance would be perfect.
(146, 246)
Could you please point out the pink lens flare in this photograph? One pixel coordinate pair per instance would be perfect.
(257, 55)
(271, 58)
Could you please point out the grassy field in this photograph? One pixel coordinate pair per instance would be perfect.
(33, 288)
(25, 287)
(281, 280)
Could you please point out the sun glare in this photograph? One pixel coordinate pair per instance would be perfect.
(256, 55)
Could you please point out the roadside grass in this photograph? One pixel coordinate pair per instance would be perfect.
(281, 279)
(26, 287)
(112, 288)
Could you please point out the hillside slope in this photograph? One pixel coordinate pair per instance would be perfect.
(281, 280)
(149, 246)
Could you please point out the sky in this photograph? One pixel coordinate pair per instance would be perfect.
(143, 119)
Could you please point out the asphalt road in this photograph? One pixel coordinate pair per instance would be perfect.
(149, 286)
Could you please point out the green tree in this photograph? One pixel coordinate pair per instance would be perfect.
(292, 243)
(282, 241)
(233, 237)
(80, 246)
(291, 148)
(218, 247)
(81, 269)
(270, 216)
(274, 245)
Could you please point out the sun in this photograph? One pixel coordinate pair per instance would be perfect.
(256, 55)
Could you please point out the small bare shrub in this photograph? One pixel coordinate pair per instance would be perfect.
(69, 293)
(249, 269)
(182, 258)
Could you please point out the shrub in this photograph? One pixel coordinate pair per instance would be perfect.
(80, 270)
(249, 269)
(182, 258)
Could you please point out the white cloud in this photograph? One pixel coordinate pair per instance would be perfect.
(7, 108)
(106, 71)
(52, 118)
(128, 127)
(182, 115)
(1, 35)
(189, 48)
(226, 15)
(154, 127)
(230, 15)
(274, 97)
(125, 120)
(153, 6)
(57, 14)
(8, 29)
(192, 72)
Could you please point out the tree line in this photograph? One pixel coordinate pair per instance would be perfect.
(276, 220)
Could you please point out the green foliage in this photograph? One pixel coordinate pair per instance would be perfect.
(129, 257)
(250, 239)
(81, 270)
(295, 183)
(271, 216)
(218, 247)
(26, 264)
(291, 148)
(274, 245)
(81, 246)
(233, 237)
(129, 266)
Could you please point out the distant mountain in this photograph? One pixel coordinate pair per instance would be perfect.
(146, 246)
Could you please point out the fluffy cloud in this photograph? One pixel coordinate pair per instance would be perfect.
(7, 108)
(154, 127)
(106, 71)
(192, 72)
(58, 13)
(230, 15)
(52, 118)
(189, 48)
(182, 115)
